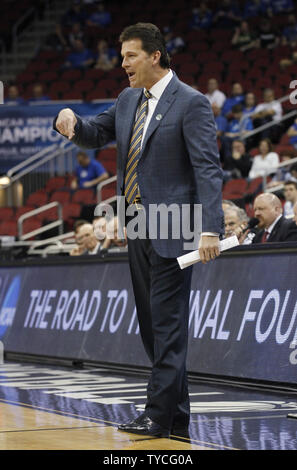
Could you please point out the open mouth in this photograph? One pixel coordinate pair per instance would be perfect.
(131, 75)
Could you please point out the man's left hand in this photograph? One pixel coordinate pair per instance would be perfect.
(208, 248)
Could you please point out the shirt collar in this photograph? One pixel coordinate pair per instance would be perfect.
(271, 227)
(159, 87)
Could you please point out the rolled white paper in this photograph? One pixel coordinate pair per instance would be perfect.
(193, 257)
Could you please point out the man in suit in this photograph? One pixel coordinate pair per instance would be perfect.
(167, 153)
(274, 227)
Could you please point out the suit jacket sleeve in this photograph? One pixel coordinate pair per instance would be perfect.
(200, 136)
(95, 132)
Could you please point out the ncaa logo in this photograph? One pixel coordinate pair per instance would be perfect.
(8, 308)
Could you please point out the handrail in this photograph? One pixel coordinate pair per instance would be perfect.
(246, 134)
(102, 184)
(27, 215)
(34, 157)
(44, 158)
(16, 26)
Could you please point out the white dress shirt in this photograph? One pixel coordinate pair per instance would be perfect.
(271, 227)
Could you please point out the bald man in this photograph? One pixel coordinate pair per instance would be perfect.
(274, 227)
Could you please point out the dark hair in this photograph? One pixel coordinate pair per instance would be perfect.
(287, 183)
(268, 142)
(78, 223)
(151, 38)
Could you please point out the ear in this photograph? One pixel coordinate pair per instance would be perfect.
(156, 57)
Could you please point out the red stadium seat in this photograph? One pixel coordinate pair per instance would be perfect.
(6, 213)
(8, 227)
(71, 210)
(56, 182)
(47, 215)
(84, 196)
(60, 196)
(39, 198)
(23, 210)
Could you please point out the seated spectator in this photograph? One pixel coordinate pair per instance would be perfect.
(269, 110)
(214, 95)
(273, 226)
(295, 213)
(243, 39)
(86, 236)
(100, 18)
(13, 97)
(117, 243)
(106, 57)
(283, 174)
(238, 162)
(267, 36)
(89, 172)
(99, 226)
(76, 14)
(174, 44)
(290, 193)
(38, 94)
(249, 103)
(201, 17)
(79, 249)
(76, 33)
(236, 221)
(236, 97)
(56, 41)
(220, 121)
(81, 57)
(227, 15)
(289, 34)
(238, 127)
(265, 162)
(292, 133)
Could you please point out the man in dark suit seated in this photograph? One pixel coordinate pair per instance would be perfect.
(274, 227)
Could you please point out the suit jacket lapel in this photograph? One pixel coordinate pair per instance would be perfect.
(129, 119)
(164, 103)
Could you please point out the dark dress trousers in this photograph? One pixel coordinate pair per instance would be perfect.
(178, 163)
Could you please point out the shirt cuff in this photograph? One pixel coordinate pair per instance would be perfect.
(210, 234)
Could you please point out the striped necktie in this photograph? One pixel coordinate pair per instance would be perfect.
(131, 185)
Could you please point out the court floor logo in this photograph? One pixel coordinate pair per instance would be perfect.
(9, 305)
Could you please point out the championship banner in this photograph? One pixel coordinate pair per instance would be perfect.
(243, 314)
(27, 129)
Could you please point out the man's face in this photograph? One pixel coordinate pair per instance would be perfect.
(265, 211)
(237, 89)
(86, 237)
(250, 99)
(238, 147)
(268, 96)
(290, 192)
(137, 63)
(212, 85)
(83, 160)
(231, 222)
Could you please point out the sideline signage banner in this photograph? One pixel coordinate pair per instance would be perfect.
(243, 315)
(27, 129)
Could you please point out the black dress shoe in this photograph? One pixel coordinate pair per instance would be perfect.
(145, 426)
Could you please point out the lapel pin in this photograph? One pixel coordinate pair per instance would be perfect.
(159, 117)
